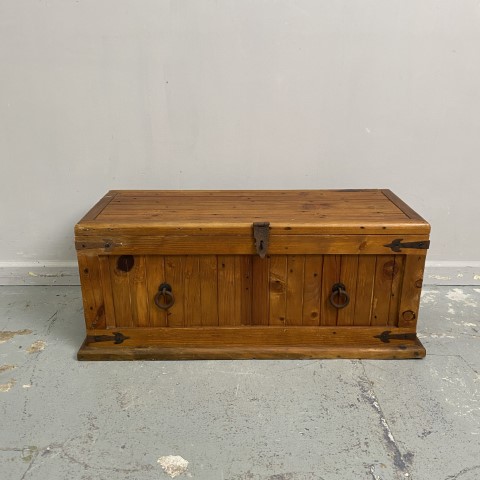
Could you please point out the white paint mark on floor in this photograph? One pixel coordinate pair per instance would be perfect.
(439, 277)
(372, 471)
(429, 296)
(6, 387)
(37, 346)
(476, 277)
(173, 465)
(458, 296)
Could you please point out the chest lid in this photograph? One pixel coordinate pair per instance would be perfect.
(201, 212)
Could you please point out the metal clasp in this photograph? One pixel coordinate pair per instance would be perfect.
(261, 233)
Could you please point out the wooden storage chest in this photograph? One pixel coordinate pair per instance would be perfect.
(251, 274)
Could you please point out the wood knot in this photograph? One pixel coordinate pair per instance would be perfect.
(125, 263)
(390, 269)
(409, 316)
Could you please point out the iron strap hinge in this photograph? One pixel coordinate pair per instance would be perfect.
(397, 245)
(117, 338)
(386, 336)
(261, 234)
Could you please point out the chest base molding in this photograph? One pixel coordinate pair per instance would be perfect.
(251, 343)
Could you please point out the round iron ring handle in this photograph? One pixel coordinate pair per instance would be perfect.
(339, 297)
(165, 291)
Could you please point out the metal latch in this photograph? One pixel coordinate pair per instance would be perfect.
(260, 233)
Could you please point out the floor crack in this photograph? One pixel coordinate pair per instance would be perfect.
(460, 474)
(34, 456)
(51, 322)
(369, 395)
(454, 356)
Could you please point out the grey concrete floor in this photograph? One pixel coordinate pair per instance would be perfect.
(237, 420)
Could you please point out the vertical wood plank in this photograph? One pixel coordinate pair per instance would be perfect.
(138, 291)
(208, 289)
(121, 294)
(244, 268)
(96, 278)
(397, 275)
(88, 296)
(348, 276)
(107, 291)
(237, 293)
(261, 293)
(226, 291)
(278, 289)
(331, 275)
(364, 294)
(312, 289)
(155, 274)
(382, 290)
(192, 303)
(174, 275)
(411, 289)
(295, 278)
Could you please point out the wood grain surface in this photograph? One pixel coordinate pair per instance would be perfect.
(233, 212)
(229, 302)
(252, 342)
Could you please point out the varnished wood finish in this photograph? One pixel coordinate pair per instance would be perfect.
(229, 302)
(411, 291)
(252, 342)
(229, 290)
(245, 245)
(92, 293)
(233, 212)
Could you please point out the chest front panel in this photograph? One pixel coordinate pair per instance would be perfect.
(229, 290)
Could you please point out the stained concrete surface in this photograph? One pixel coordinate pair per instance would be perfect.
(236, 420)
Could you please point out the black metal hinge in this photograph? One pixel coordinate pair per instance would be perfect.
(117, 338)
(386, 336)
(397, 245)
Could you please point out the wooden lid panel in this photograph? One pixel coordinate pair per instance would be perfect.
(304, 211)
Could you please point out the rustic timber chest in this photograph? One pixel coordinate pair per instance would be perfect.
(251, 274)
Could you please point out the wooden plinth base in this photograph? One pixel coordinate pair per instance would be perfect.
(210, 343)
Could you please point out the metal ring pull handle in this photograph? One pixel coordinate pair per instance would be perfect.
(339, 297)
(165, 293)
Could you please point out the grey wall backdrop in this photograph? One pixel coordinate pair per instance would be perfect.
(104, 94)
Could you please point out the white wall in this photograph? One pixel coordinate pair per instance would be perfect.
(104, 94)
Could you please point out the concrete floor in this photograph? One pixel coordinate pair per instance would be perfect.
(236, 420)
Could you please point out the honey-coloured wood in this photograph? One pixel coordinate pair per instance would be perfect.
(253, 342)
(227, 301)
